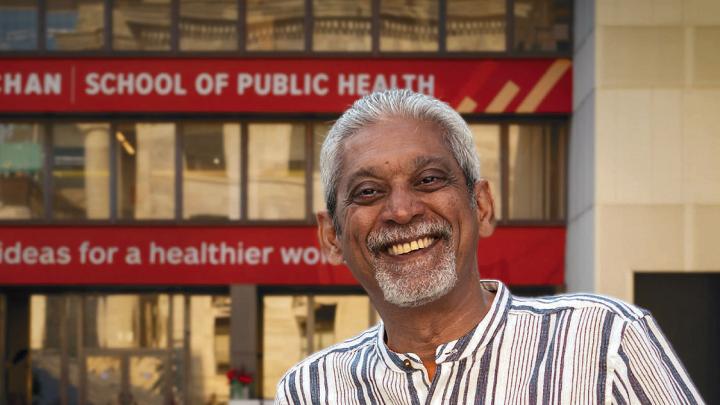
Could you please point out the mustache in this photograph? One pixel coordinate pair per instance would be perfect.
(381, 239)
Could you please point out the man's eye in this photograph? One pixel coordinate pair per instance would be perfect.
(365, 194)
(429, 180)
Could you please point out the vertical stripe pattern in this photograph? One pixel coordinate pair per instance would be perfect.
(567, 349)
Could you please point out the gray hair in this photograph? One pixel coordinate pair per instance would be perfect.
(396, 103)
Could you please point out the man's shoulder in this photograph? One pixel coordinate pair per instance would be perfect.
(579, 302)
(355, 343)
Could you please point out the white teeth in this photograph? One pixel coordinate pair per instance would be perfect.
(403, 248)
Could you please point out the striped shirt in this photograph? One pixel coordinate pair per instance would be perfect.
(567, 349)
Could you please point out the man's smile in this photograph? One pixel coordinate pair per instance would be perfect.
(407, 247)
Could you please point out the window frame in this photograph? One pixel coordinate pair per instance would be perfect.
(308, 121)
(241, 52)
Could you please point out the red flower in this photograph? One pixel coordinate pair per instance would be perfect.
(240, 376)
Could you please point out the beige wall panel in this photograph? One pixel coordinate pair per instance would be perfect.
(706, 238)
(702, 12)
(706, 56)
(639, 146)
(666, 174)
(702, 146)
(641, 57)
(637, 238)
(606, 142)
(640, 12)
(623, 158)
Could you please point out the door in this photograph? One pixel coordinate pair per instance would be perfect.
(109, 348)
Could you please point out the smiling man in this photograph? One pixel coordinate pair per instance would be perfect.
(406, 207)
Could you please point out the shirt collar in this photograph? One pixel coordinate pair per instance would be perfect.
(475, 340)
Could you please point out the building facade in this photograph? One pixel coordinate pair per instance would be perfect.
(159, 177)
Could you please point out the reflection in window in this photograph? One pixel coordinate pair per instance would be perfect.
(275, 25)
(295, 326)
(208, 25)
(276, 171)
(124, 321)
(487, 144)
(409, 25)
(475, 25)
(21, 168)
(75, 24)
(54, 321)
(537, 174)
(145, 154)
(141, 25)
(211, 170)
(542, 25)
(341, 25)
(18, 25)
(81, 167)
(210, 345)
(320, 131)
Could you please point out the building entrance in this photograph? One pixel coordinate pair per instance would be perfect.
(127, 349)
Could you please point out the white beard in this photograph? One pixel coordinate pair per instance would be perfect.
(417, 282)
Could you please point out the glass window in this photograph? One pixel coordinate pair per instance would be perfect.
(75, 24)
(81, 163)
(18, 25)
(145, 155)
(211, 170)
(342, 25)
(320, 131)
(537, 175)
(54, 321)
(408, 25)
(542, 25)
(276, 171)
(295, 326)
(275, 25)
(142, 25)
(476, 25)
(487, 144)
(21, 171)
(209, 348)
(208, 25)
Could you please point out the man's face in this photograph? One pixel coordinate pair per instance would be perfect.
(409, 227)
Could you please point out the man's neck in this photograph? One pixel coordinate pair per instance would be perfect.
(422, 329)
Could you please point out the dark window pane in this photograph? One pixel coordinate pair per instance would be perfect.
(275, 25)
(208, 25)
(542, 25)
(141, 25)
(81, 166)
(75, 24)
(476, 25)
(408, 25)
(211, 167)
(342, 25)
(537, 172)
(18, 24)
(21, 170)
(145, 170)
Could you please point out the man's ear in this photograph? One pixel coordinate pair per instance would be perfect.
(485, 207)
(327, 235)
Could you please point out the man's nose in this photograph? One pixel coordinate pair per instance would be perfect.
(401, 206)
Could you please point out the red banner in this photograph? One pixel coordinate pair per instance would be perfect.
(219, 255)
(278, 85)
